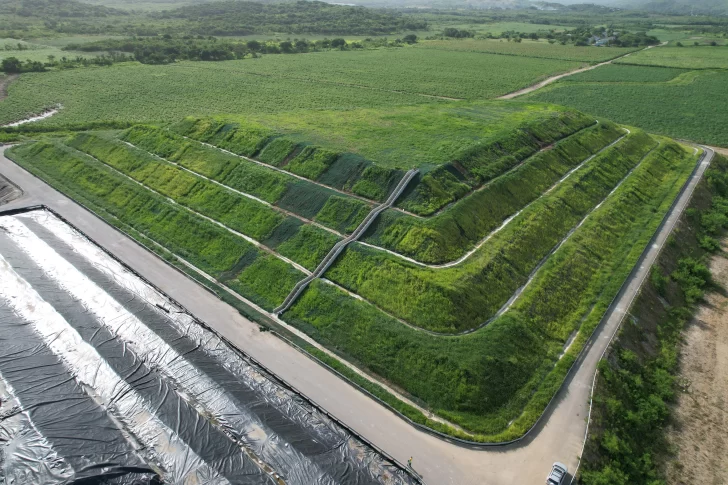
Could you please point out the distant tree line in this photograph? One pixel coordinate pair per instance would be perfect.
(167, 48)
(13, 65)
(580, 36)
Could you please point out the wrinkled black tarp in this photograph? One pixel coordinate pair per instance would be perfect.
(262, 421)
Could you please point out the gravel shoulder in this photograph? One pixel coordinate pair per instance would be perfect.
(700, 424)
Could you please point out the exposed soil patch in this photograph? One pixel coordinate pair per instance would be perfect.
(698, 434)
(4, 83)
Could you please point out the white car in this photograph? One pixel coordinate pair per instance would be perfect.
(557, 475)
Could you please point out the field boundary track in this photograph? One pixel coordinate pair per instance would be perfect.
(5, 84)
(437, 460)
(552, 79)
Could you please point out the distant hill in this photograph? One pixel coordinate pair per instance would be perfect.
(55, 8)
(302, 17)
(672, 7)
(680, 7)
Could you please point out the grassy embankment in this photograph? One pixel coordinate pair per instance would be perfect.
(289, 236)
(461, 297)
(637, 379)
(511, 368)
(482, 381)
(257, 275)
(300, 197)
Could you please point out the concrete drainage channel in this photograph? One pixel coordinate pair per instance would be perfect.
(103, 377)
(341, 245)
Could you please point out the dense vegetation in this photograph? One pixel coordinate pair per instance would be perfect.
(299, 197)
(637, 380)
(464, 296)
(56, 8)
(301, 17)
(213, 18)
(167, 49)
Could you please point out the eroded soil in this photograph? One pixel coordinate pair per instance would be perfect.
(699, 435)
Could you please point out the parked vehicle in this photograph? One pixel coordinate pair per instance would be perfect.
(557, 475)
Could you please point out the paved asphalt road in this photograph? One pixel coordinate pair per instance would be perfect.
(560, 435)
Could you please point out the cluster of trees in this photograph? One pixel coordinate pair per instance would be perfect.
(583, 36)
(167, 48)
(13, 65)
(457, 34)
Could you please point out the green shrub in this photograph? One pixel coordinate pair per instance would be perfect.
(242, 137)
(278, 151)
(343, 213)
(311, 162)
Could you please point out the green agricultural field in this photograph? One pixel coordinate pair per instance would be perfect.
(691, 106)
(272, 84)
(449, 74)
(145, 93)
(529, 48)
(620, 73)
(688, 57)
(544, 198)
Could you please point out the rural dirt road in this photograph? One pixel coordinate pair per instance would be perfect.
(559, 436)
(552, 79)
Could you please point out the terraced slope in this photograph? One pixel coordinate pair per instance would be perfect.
(467, 310)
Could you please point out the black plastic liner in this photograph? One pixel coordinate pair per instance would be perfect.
(40, 382)
(233, 417)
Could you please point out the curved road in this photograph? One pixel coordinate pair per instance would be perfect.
(559, 436)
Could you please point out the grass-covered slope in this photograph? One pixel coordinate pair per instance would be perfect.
(458, 146)
(202, 243)
(509, 369)
(552, 214)
(466, 295)
(298, 196)
(450, 233)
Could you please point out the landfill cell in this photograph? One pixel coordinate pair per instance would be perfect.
(104, 379)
